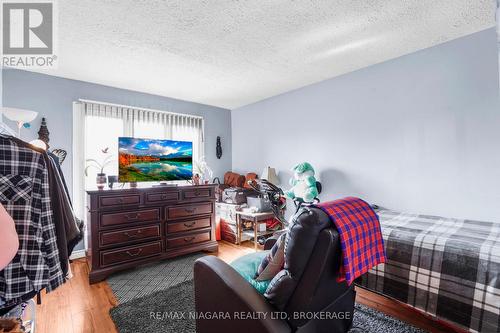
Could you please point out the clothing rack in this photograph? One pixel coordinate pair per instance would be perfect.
(65, 229)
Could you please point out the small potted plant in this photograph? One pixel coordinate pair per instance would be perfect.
(101, 176)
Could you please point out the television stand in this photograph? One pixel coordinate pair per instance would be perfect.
(131, 227)
(165, 185)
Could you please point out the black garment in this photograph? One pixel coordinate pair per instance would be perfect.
(73, 236)
(59, 170)
(68, 227)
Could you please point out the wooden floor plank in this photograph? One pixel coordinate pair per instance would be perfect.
(78, 307)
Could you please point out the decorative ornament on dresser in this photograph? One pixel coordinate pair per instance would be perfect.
(218, 148)
(93, 163)
(196, 179)
(112, 180)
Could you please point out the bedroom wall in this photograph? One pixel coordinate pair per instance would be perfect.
(420, 133)
(1, 87)
(53, 98)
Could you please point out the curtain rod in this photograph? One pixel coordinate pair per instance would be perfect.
(137, 108)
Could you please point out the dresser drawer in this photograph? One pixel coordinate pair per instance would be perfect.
(173, 227)
(120, 200)
(160, 197)
(128, 235)
(130, 253)
(197, 193)
(142, 215)
(189, 210)
(188, 240)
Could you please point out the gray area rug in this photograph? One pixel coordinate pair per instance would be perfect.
(147, 279)
(147, 314)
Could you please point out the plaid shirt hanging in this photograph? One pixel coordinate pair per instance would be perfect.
(24, 192)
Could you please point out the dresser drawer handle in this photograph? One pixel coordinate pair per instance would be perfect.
(120, 200)
(197, 193)
(164, 197)
(189, 225)
(190, 210)
(134, 254)
(133, 216)
(137, 234)
(189, 239)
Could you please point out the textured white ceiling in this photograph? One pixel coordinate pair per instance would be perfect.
(231, 53)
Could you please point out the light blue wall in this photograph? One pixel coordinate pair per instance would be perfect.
(1, 86)
(53, 98)
(420, 133)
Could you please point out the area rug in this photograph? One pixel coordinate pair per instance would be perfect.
(147, 279)
(168, 311)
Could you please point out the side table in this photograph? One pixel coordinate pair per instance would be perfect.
(255, 218)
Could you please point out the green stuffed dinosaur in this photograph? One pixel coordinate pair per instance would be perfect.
(303, 183)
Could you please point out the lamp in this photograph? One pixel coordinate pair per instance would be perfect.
(21, 116)
(269, 174)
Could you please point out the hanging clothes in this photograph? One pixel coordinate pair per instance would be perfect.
(25, 194)
(69, 230)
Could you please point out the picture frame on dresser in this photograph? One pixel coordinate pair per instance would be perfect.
(131, 227)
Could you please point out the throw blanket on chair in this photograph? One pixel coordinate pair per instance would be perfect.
(360, 236)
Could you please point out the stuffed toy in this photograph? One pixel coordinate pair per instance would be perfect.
(303, 183)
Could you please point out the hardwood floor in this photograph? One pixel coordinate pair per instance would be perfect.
(78, 307)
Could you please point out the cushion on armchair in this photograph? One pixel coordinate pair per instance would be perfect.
(247, 266)
(273, 262)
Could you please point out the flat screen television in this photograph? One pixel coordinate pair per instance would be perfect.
(146, 160)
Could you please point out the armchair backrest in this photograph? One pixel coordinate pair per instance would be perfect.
(312, 260)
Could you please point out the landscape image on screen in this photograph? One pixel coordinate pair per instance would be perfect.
(145, 160)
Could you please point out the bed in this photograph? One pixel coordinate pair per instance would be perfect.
(448, 268)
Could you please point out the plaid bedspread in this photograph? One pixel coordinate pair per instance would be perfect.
(449, 268)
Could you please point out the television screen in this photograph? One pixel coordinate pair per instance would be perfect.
(146, 160)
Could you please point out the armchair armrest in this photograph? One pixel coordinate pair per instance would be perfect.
(220, 289)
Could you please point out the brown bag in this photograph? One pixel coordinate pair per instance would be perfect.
(250, 177)
(233, 179)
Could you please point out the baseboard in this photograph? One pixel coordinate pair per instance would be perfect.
(77, 254)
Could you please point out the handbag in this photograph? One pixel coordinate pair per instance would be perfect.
(237, 196)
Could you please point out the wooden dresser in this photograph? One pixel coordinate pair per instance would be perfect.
(130, 227)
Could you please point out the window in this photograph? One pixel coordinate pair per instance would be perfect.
(100, 134)
(97, 126)
(148, 130)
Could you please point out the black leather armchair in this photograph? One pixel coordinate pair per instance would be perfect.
(304, 297)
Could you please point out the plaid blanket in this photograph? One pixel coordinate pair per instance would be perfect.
(449, 268)
(360, 237)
